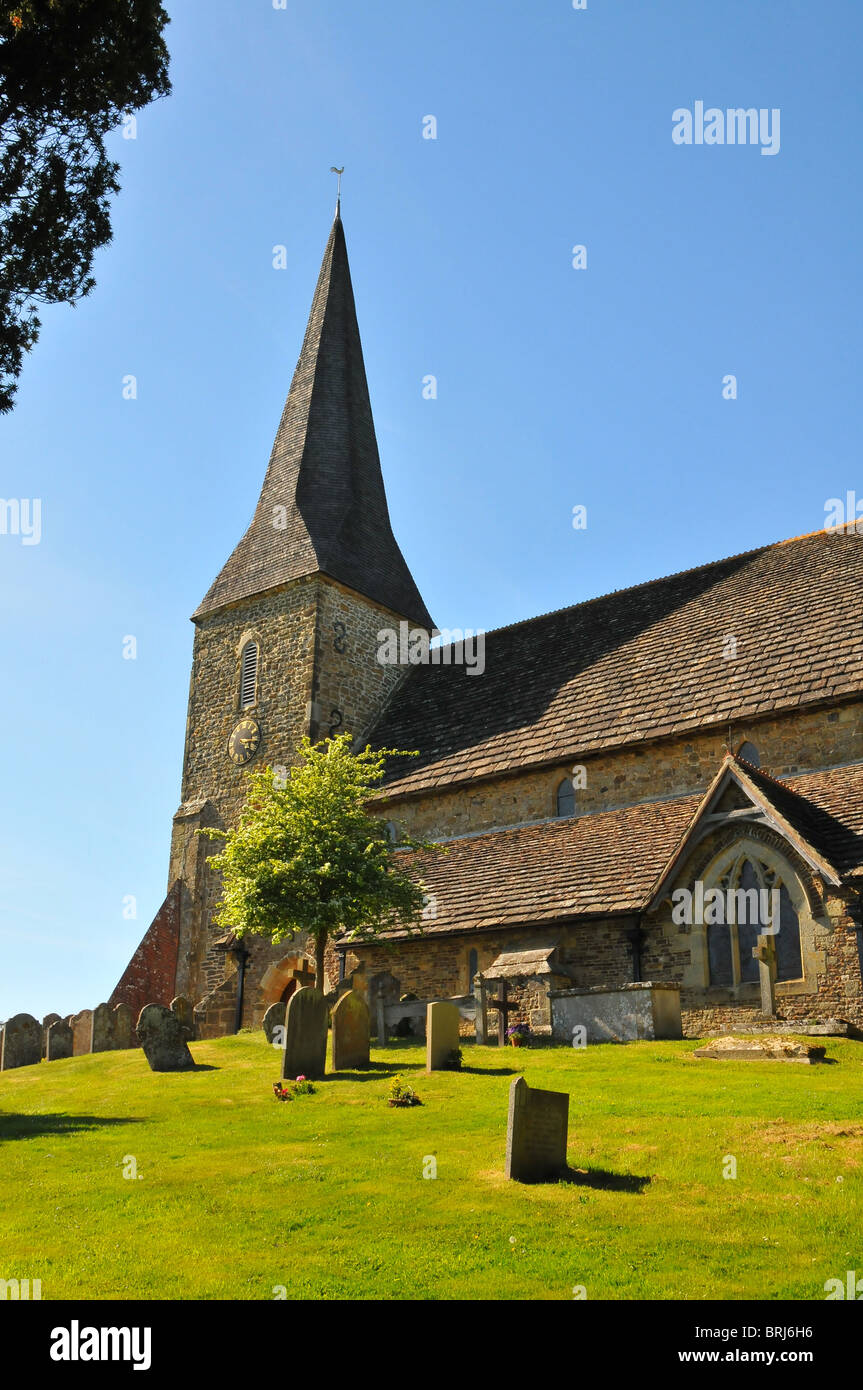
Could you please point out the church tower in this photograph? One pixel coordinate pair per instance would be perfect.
(286, 636)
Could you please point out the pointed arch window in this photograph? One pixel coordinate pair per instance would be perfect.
(729, 943)
(566, 798)
(749, 753)
(249, 675)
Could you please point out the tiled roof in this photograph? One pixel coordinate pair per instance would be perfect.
(639, 664)
(612, 861)
(324, 472)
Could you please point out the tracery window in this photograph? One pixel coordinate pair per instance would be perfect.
(753, 896)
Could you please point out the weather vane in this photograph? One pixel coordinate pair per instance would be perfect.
(334, 170)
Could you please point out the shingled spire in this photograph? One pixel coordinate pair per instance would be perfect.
(323, 508)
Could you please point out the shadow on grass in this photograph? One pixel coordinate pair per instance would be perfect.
(375, 1071)
(491, 1071)
(34, 1126)
(603, 1180)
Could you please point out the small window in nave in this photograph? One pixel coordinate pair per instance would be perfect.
(566, 798)
(249, 675)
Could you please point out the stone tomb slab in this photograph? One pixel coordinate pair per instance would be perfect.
(163, 1038)
(21, 1042)
(442, 1020)
(305, 1035)
(274, 1018)
(351, 1030)
(761, 1050)
(60, 1038)
(536, 1133)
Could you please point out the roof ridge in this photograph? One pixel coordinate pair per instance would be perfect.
(661, 578)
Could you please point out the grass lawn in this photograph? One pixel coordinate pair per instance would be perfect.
(326, 1195)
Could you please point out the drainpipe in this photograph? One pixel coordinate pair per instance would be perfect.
(241, 955)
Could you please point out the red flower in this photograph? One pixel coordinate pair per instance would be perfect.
(17, 21)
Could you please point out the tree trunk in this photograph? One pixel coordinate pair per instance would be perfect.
(320, 948)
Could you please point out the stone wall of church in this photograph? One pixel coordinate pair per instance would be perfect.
(788, 744)
(351, 687)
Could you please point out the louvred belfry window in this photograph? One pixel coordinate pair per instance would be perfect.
(249, 676)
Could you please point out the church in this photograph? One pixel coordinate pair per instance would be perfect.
(692, 737)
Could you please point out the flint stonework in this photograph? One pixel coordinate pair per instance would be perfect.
(351, 1032)
(163, 1038)
(305, 1035)
(536, 1133)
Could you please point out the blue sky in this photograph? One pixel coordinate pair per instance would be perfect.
(556, 387)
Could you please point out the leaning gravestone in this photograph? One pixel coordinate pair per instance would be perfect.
(124, 1035)
(350, 1032)
(185, 1011)
(46, 1024)
(103, 1029)
(21, 1044)
(442, 1020)
(82, 1029)
(162, 1036)
(274, 1018)
(59, 1044)
(305, 1035)
(536, 1133)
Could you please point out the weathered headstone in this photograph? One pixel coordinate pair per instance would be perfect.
(274, 1018)
(103, 1029)
(185, 1011)
(21, 1043)
(82, 1029)
(59, 1045)
(162, 1036)
(46, 1024)
(442, 1021)
(536, 1133)
(124, 1031)
(305, 1035)
(350, 1032)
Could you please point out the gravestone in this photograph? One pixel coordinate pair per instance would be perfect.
(536, 1133)
(103, 1029)
(21, 1043)
(185, 1011)
(46, 1024)
(305, 1035)
(59, 1044)
(441, 1035)
(124, 1033)
(350, 1032)
(82, 1030)
(274, 1018)
(162, 1036)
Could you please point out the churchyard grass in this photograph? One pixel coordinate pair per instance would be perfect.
(237, 1196)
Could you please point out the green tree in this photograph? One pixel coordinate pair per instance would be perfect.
(307, 856)
(70, 70)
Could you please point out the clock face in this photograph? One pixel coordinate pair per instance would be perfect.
(244, 741)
